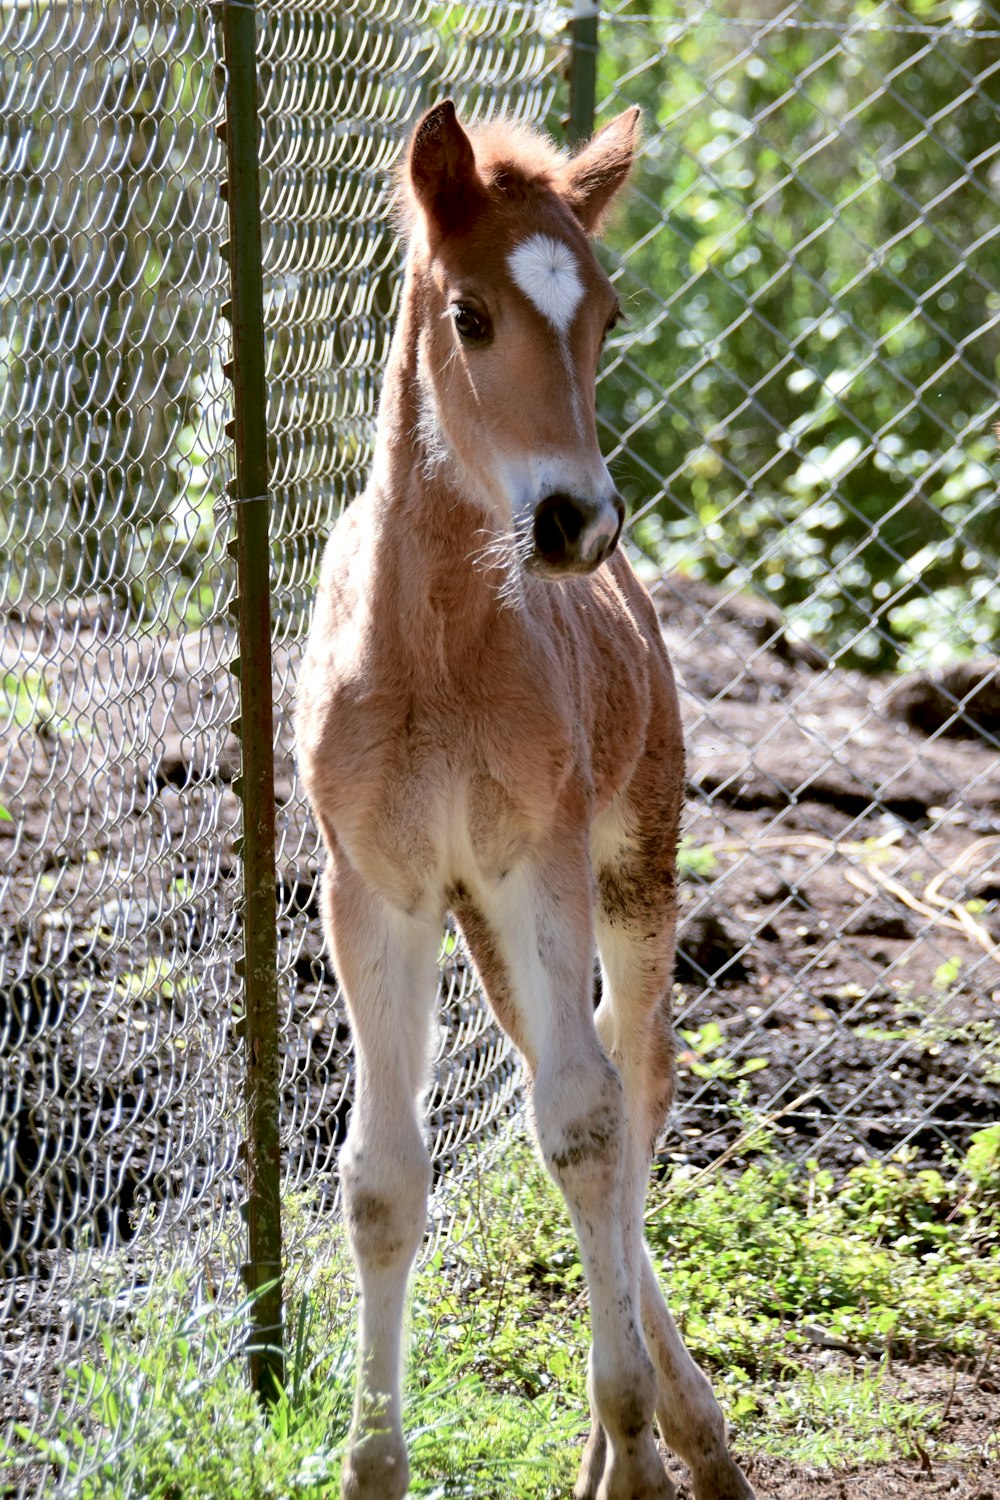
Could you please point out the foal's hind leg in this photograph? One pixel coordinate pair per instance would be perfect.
(635, 933)
(386, 964)
(686, 1409)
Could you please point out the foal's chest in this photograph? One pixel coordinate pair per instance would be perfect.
(438, 755)
(425, 783)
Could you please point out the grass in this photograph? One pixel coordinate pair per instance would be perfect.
(891, 1261)
(28, 700)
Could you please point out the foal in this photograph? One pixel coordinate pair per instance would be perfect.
(487, 723)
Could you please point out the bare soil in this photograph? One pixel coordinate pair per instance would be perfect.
(845, 940)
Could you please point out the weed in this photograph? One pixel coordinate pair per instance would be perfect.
(831, 1417)
(165, 1412)
(924, 1022)
(947, 974)
(694, 860)
(698, 1055)
(755, 1264)
(982, 1163)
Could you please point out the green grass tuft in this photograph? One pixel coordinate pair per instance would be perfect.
(760, 1267)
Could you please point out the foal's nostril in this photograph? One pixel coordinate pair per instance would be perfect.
(557, 527)
(607, 543)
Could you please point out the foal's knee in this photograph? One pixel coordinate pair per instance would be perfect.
(385, 1204)
(580, 1121)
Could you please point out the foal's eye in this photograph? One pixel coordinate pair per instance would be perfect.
(473, 326)
(613, 321)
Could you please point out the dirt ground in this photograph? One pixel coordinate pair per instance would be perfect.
(844, 939)
(828, 939)
(969, 1402)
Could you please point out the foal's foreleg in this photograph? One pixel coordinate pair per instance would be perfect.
(543, 920)
(386, 964)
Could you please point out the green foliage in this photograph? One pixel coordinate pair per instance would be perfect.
(24, 699)
(890, 1259)
(705, 1057)
(982, 1163)
(926, 1029)
(887, 1254)
(179, 1421)
(946, 974)
(29, 700)
(828, 1416)
(694, 860)
(806, 401)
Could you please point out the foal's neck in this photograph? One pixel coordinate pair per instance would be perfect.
(436, 534)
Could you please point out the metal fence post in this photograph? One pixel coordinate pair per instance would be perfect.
(582, 70)
(263, 1167)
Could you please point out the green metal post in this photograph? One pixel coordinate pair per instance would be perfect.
(582, 71)
(263, 1166)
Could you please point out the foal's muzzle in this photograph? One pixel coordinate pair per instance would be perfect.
(571, 535)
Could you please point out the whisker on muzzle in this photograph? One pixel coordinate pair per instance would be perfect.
(501, 559)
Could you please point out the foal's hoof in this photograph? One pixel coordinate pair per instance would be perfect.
(373, 1475)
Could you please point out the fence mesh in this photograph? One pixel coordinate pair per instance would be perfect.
(801, 408)
(798, 410)
(120, 1064)
(119, 1085)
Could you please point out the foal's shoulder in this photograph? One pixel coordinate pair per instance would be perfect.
(346, 557)
(346, 535)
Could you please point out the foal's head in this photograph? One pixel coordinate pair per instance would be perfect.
(512, 308)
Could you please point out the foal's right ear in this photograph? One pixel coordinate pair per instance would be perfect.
(442, 169)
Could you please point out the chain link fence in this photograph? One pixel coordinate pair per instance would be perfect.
(121, 1067)
(119, 1085)
(798, 410)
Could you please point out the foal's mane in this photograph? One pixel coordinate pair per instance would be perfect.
(511, 148)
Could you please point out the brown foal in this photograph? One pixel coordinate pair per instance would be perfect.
(487, 723)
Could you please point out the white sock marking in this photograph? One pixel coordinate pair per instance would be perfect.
(546, 272)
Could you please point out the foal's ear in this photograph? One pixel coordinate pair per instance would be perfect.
(591, 178)
(442, 168)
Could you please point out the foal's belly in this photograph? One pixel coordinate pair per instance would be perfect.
(416, 834)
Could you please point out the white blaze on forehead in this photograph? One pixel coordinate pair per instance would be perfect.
(547, 273)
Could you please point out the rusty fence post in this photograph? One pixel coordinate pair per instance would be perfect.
(255, 725)
(582, 71)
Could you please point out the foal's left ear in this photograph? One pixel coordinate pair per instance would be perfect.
(591, 178)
